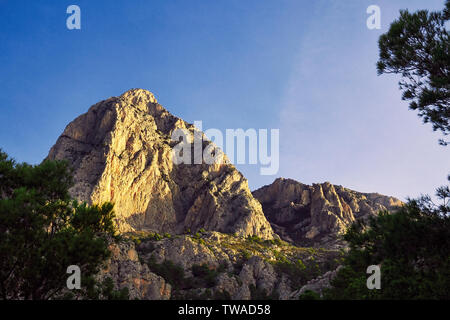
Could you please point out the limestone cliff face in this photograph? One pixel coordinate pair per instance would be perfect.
(121, 151)
(316, 215)
(126, 270)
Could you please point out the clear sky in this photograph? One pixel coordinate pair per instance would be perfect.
(305, 67)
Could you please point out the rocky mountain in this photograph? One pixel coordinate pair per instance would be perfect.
(121, 151)
(316, 215)
(195, 231)
(214, 265)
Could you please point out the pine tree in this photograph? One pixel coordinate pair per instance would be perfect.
(43, 231)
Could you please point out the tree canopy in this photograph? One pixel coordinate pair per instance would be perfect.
(412, 248)
(417, 47)
(43, 231)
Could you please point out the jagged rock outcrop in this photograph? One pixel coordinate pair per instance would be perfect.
(315, 215)
(239, 269)
(187, 253)
(126, 270)
(121, 151)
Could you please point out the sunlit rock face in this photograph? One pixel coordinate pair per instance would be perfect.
(316, 215)
(121, 151)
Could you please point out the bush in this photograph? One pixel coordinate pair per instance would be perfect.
(261, 294)
(254, 238)
(246, 255)
(309, 295)
(105, 291)
(43, 231)
(207, 275)
(297, 272)
(171, 272)
(412, 247)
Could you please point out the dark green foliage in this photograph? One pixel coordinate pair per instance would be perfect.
(309, 295)
(266, 243)
(417, 47)
(109, 293)
(197, 236)
(105, 290)
(171, 272)
(412, 247)
(155, 236)
(254, 238)
(203, 277)
(261, 294)
(246, 255)
(298, 272)
(206, 276)
(42, 231)
(140, 237)
(274, 242)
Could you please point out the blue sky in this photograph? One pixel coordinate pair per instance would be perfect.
(305, 67)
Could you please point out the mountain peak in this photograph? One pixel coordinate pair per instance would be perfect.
(120, 151)
(138, 96)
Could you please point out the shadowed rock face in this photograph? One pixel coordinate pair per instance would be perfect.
(315, 215)
(126, 270)
(121, 152)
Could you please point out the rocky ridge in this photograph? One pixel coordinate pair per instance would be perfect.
(213, 265)
(316, 215)
(195, 231)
